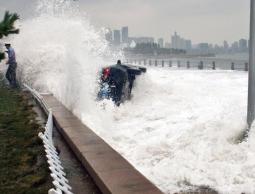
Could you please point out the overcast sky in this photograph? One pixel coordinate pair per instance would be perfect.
(199, 20)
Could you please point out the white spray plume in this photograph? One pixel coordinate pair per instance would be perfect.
(59, 51)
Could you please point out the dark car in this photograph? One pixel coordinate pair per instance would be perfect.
(116, 82)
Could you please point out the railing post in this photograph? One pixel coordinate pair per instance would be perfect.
(163, 63)
(170, 63)
(246, 66)
(149, 62)
(188, 64)
(53, 191)
(213, 65)
(178, 64)
(156, 62)
(139, 62)
(201, 65)
(232, 66)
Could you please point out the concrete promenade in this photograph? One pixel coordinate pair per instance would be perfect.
(110, 171)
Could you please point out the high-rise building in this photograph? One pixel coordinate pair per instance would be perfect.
(176, 41)
(235, 46)
(188, 45)
(225, 45)
(116, 37)
(180, 43)
(161, 42)
(243, 45)
(124, 33)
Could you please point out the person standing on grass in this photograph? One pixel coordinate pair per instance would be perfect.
(11, 71)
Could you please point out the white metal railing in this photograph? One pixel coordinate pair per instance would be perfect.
(38, 97)
(57, 171)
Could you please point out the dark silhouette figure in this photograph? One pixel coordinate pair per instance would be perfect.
(11, 71)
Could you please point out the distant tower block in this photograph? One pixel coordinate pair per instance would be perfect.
(178, 64)
(213, 65)
(232, 66)
(201, 65)
(124, 33)
(170, 63)
(188, 64)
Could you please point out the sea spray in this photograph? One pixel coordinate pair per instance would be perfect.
(59, 51)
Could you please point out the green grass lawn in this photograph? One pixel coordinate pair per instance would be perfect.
(23, 167)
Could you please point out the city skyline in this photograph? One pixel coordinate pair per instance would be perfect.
(119, 38)
(176, 41)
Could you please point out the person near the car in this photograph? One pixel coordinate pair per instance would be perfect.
(119, 62)
(118, 77)
(11, 71)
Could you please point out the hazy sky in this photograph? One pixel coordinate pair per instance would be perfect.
(199, 20)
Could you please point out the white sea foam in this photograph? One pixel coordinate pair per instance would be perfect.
(182, 126)
(179, 126)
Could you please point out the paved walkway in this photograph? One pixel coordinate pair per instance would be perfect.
(111, 172)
